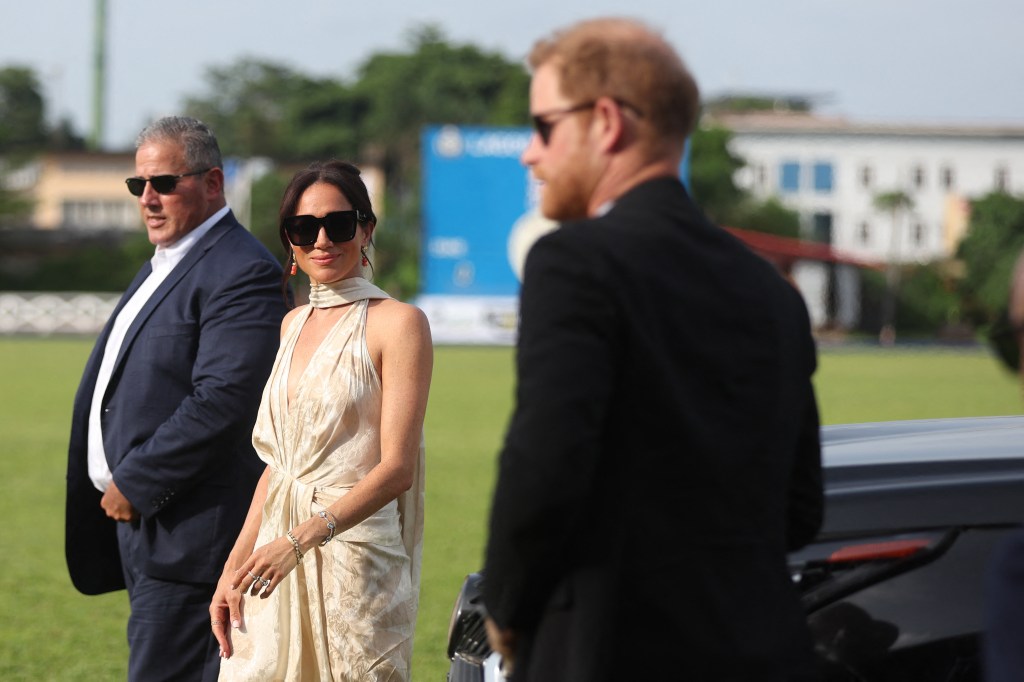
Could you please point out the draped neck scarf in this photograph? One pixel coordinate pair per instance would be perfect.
(343, 292)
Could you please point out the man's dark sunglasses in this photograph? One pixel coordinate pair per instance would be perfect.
(544, 127)
(302, 230)
(162, 184)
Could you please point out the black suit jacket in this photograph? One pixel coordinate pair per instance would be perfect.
(662, 456)
(178, 414)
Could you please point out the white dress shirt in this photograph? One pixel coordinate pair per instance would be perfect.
(163, 262)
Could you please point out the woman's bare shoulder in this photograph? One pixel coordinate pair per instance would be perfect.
(290, 317)
(397, 320)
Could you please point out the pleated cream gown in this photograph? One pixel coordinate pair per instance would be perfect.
(349, 610)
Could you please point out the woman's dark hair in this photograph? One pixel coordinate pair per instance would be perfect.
(341, 174)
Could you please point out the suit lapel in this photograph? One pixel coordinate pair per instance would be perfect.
(140, 277)
(83, 397)
(93, 366)
(195, 254)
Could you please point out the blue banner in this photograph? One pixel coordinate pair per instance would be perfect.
(479, 220)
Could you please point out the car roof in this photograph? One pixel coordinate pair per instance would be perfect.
(923, 440)
(887, 477)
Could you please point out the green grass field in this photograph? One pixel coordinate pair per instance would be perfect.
(50, 632)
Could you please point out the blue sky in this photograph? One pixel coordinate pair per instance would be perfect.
(872, 60)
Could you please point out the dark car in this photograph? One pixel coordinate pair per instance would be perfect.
(893, 584)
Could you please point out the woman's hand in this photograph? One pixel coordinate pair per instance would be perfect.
(264, 570)
(258, 575)
(225, 607)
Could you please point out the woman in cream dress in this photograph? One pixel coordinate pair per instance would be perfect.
(323, 581)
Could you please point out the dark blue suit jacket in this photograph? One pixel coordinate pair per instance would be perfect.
(178, 415)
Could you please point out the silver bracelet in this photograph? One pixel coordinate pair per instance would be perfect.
(295, 544)
(331, 525)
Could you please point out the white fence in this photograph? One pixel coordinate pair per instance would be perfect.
(45, 313)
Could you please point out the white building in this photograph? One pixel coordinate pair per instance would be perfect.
(831, 171)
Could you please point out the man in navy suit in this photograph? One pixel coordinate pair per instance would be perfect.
(160, 463)
(664, 452)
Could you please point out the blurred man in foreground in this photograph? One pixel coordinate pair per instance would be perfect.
(664, 452)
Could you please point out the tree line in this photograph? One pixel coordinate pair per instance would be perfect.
(260, 108)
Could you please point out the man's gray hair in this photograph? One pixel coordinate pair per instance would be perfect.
(194, 136)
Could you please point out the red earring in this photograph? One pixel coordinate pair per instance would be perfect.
(366, 261)
(295, 267)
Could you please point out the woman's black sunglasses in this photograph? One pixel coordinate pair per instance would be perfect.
(162, 184)
(302, 230)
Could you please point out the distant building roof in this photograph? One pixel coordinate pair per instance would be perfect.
(780, 122)
(784, 251)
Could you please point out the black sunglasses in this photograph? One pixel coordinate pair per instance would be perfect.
(162, 184)
(302, 230)
(544, 126)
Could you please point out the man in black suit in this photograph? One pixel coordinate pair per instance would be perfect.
(160, 464)
(664, 450)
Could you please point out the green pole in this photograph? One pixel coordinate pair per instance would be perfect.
(99, 76)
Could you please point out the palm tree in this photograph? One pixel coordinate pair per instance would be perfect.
(897, 203)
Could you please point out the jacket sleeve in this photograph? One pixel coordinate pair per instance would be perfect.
(565, 375)
(806, 504)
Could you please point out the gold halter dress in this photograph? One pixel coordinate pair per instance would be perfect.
(348, 611)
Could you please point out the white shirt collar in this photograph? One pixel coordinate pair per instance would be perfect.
(166, 257)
